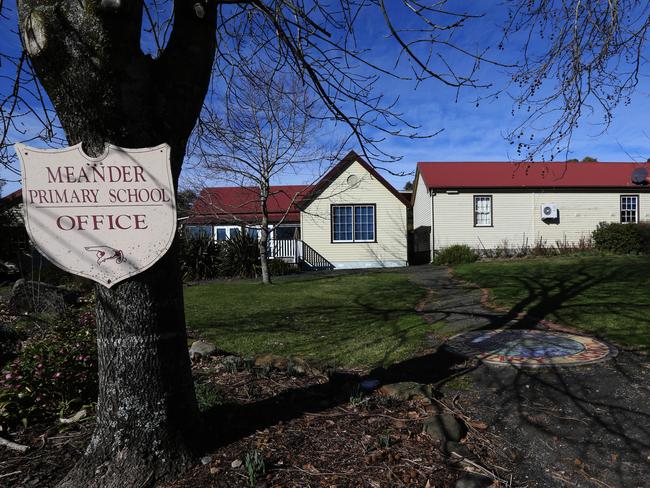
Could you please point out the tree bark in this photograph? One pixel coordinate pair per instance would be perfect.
(105, 90)
(264, 235)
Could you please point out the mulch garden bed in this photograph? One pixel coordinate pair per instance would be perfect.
(286, 425)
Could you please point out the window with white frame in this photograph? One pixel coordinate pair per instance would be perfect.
(353, 223)
(223, 232)
(629, 209)
(482, 210)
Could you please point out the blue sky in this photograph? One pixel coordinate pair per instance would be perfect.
(469, 133)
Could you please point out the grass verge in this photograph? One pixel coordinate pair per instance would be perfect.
(357, 320)
(605, 295)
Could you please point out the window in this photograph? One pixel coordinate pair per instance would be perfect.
(482, 210)
(285, 233)
(364, 223)
(353, 223)
(199, 231)
(226, 232)
(629, 208)
(342, 223)
(222, 233)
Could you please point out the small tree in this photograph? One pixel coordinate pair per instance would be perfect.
(184, 201)
(263, 128)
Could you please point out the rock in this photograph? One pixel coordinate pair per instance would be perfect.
(37, 297)
(473, 481)
(271, 361)
(206, 460)
(236, 463)
(298, 366)
(407, 390)
(202, 349)
(445, 427)
(233, 363)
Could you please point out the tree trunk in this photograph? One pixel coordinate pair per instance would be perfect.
(87, 57)
(264, 235)
(147, 417)
(263, 246)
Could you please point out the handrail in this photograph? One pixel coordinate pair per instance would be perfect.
(313, 258)
(302, 253)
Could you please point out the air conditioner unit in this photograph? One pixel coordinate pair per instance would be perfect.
(549, 211)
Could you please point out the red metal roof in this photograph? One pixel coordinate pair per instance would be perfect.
(12, 198)
(528, 175)
(240, 205)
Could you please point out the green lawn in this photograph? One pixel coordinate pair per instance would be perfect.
(348, 320)
(605, 295)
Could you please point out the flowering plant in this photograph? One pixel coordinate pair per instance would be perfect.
(54, 374)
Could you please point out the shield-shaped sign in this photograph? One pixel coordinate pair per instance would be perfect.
(105, 218)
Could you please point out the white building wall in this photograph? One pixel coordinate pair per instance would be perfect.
(516, 217)
(421, 204)
(391, 246)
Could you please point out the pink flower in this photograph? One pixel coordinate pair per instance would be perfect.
(56, 375)
(8, 376)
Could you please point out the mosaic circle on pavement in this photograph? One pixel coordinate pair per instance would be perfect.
(531, 348)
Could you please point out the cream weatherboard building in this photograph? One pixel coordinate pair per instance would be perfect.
(491, 205)
(352, 218)
(355, 218)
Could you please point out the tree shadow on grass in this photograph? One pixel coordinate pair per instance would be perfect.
(595, 414)
(594, 419)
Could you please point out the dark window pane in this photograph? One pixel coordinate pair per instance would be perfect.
(364, 223)
(282, 233)
(342, 223)
(221, 234)
(198, 231)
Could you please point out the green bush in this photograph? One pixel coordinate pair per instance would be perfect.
(644, 232)
(620, 238)
(240, 257)
(54, 375)
(456, 254)
(199, 257)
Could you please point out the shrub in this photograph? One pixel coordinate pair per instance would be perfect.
(619, 238)
(240, 257)
(456, 254)
(644, 232)
(199, 257)
(54, 375)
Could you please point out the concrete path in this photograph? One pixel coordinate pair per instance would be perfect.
(578, 426)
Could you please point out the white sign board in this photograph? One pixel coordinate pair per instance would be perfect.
(105, 218)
